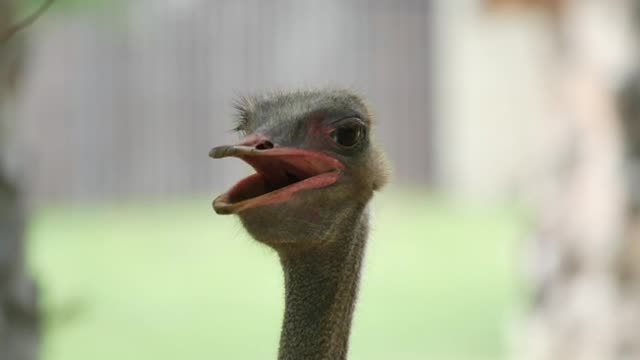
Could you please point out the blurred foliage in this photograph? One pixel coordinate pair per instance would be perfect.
(111, 12)
(175, 281)
(69, 6)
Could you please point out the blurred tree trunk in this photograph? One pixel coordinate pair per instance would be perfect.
(585, 254)
(19, 325)
(629, 264)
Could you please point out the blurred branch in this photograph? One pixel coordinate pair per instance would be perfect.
(12, 30)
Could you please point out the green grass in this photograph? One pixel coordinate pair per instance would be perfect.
(173, 281)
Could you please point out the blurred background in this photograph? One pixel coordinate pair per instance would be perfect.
(511, 229)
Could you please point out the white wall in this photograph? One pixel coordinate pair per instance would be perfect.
(492, 87)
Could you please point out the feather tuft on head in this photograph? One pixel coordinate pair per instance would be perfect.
(243, 106)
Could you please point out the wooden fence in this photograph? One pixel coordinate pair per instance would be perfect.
(128, 103)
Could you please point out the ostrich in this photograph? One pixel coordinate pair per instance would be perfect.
(316, 170)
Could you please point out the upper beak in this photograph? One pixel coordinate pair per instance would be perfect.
(247, 152)
(223, 151)
(251, 145)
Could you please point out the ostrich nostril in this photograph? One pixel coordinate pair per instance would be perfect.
(264, 145)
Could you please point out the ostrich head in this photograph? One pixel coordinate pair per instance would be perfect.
(316, 166)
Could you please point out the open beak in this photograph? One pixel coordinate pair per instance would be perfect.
(281, 172)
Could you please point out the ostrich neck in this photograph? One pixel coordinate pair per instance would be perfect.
(321, 289)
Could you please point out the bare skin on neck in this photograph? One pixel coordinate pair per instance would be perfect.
(316, 170)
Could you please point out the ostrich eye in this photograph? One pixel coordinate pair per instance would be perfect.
(348, 135)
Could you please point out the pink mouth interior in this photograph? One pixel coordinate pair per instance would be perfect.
(281, 176)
